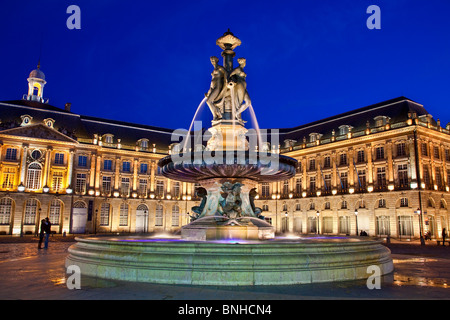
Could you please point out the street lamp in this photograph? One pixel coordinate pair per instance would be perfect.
(318, 227)
(356, 215)
(419, 212)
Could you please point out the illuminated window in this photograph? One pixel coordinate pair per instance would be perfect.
(123, 219)
(59, 158)
(55, 212)
(8, 178)
(80, 184)
(175, 216)
(57, 181)
(104, 214)
(5, 211)
(31, 207)
(125, 187)
(126, 166)
(159, 215)
(34, 176)
(11, 154)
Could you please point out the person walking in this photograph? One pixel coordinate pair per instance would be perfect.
(41, 233)
(444, 235)
(47, 230)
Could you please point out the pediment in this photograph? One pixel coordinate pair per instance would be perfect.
(38, 131)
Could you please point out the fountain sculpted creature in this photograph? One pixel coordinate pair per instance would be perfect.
(230, 202)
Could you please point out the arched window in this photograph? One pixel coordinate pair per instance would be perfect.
(5, 210)
(123, 218)
(31, 207)
(142, 207)
(175, 216)
(55, 212)
(104, 214)
(159, 215)
(34, 176)
(285, 207)
(79, 204)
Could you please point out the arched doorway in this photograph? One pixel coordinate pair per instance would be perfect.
(142, 218)
(79, 217)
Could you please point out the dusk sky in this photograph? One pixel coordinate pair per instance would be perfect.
(148, 62)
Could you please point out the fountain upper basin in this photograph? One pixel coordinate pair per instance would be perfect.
(257, 166)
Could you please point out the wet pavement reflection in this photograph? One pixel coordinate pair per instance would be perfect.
(30, 273)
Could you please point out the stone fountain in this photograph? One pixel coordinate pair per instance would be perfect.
(228, 241)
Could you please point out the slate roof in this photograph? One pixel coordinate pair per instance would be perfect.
(396, 109)
(84, 127)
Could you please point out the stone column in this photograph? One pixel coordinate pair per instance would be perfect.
(46, 171)
(23, 163)
(70, 169)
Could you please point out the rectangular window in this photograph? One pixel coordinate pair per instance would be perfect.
(106, 185)
(104, 214)
(286, 188)
(312, 164)
(126, 166)
(159, 215)
(107, 165)
(11, 154)
(143, 187)
(59, 158)
(312, 184)
(125, 187)
(343, 159)
(403, 175)
(123, 215)
(436, 152)
(265, 190)
(327, 179)
(298, 186)
(447, 155)
(143, 168)
(379, 153)
(159, 188)
(327, 162)
(82, 161)
(344, 181)
(381, 178)
(8, 178)
(360, 156)
(424, 149)
(176, 190)
(57, 181)
(401, 149)
(80, 183)
(362, 179)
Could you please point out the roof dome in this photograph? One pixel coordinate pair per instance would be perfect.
(37, 73)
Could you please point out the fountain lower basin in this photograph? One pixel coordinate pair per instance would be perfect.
(280, 261)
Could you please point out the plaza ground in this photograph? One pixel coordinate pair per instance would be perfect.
(421, 273)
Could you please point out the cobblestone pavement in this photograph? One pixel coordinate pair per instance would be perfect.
(32, 274)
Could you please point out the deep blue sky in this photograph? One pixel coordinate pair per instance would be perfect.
(148, 61)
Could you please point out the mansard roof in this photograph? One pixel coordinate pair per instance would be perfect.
(396, 110)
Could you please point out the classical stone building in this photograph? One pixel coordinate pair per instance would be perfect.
(381, 169)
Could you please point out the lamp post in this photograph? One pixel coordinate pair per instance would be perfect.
(356, 216)
(422, 240)
(318, 226)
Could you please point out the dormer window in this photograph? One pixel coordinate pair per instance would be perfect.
(26, 120)
(313, 137)
(381, 120)
(143, 144)
(345, 129)
(108, 138)
(49, 122)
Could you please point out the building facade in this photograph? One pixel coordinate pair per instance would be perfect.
(383, 169)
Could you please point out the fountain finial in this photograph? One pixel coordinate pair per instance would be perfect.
(228, 41)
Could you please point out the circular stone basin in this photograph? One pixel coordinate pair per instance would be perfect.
(257, 166)
(281, 261)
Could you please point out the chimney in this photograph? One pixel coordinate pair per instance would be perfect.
(67, 106)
